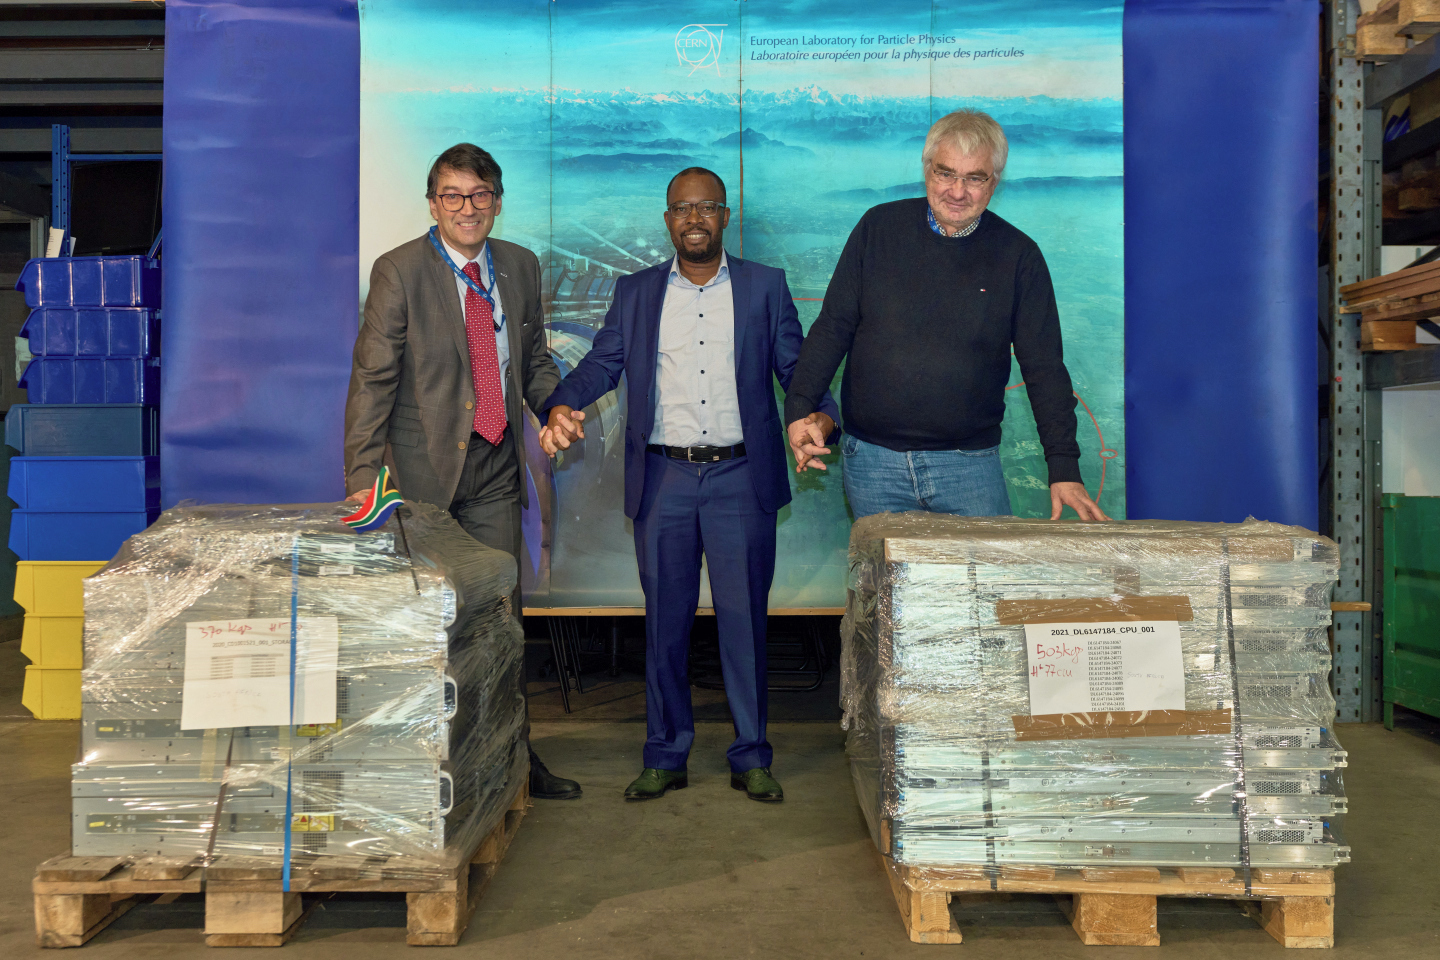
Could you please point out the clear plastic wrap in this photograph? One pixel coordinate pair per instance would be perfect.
(952, 769)
(423, 756)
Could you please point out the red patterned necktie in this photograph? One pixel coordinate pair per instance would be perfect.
(484, 363)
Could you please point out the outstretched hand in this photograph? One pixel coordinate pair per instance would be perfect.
(564, 427)
(1074, 496)
(807, 440)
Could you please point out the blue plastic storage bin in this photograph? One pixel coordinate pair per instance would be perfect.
(93, 332)
(83, 430)
(37, 535)
(93, 380)
(88, 484)
(91, 282)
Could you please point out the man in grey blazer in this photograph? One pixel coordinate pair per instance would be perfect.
(452, 343)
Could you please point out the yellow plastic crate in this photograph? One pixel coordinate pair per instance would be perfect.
(54, 642)
(51, 588)
(52, 694)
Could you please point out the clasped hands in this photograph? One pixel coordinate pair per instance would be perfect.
(564, 427)
(807, 440)
(807, 437)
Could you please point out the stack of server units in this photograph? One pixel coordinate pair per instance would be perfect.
(953, 767)
(86, 474)
(420, 753)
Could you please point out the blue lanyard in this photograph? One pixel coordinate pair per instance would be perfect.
(489, 270)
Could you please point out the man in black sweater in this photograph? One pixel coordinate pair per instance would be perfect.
(927, 300)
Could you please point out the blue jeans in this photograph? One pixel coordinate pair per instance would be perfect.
(968, 483)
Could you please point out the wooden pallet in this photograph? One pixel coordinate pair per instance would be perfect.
(245, 905)
(1417, 18)
(1115, 906)
(1375, 33)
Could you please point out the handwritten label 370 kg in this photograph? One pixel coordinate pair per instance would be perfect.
(1099, 667)
(237, 672)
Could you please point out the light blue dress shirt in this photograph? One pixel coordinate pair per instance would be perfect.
(696, 401)
(502, 338)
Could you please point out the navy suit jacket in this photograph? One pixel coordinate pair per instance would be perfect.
(767, 341)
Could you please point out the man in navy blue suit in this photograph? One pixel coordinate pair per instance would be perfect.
(699, 338)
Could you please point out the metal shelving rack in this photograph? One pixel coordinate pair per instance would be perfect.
(1355, 225)
(1359, 94)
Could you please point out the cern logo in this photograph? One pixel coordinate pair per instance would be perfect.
(698, 46)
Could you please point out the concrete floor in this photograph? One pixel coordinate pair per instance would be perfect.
(705, 873)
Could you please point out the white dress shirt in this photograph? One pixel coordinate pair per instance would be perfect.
(696, 401)
(502, 338)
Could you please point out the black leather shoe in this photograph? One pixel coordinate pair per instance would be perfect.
(544, 785)
(758, 785)
(652, 783)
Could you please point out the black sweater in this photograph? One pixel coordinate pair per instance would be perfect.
(928, 322)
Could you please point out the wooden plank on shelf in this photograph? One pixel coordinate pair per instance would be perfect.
(1418, 18)
(1388, 335)
(1413, 294)
(1410, 281)
(1375, 33)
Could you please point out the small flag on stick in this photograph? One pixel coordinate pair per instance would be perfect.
(381, 502)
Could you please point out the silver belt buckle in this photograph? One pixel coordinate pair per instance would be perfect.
(689, 457)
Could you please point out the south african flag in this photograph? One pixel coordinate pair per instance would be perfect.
(378, 506)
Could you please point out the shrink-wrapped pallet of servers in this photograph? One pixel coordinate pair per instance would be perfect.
(1024, 692)
(264, 682)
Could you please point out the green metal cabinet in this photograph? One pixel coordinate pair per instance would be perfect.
(1411, 604)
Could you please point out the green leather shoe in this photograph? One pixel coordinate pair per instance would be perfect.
(652, 784)
(758, 785)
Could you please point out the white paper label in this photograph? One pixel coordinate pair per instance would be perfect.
(337, 548)
(336, 569)
(237, 672)
(1099, 667)
(1205, 661)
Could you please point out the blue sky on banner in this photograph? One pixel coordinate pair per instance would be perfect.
(1076, 40)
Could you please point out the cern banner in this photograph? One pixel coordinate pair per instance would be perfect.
(812, 113)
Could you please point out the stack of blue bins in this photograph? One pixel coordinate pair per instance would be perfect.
(87, 475)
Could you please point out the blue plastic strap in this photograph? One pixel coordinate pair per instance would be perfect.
(289, 753)
(497, 315)
(155, 247)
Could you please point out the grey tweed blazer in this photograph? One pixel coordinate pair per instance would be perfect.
(412, 399)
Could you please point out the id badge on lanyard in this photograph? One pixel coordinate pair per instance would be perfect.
(481, 291)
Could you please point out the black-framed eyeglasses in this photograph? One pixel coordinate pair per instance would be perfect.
(706, 208)
(480, 200)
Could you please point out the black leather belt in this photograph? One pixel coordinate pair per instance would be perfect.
(699, 454)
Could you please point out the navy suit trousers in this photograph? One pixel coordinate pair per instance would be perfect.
(688, 510)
